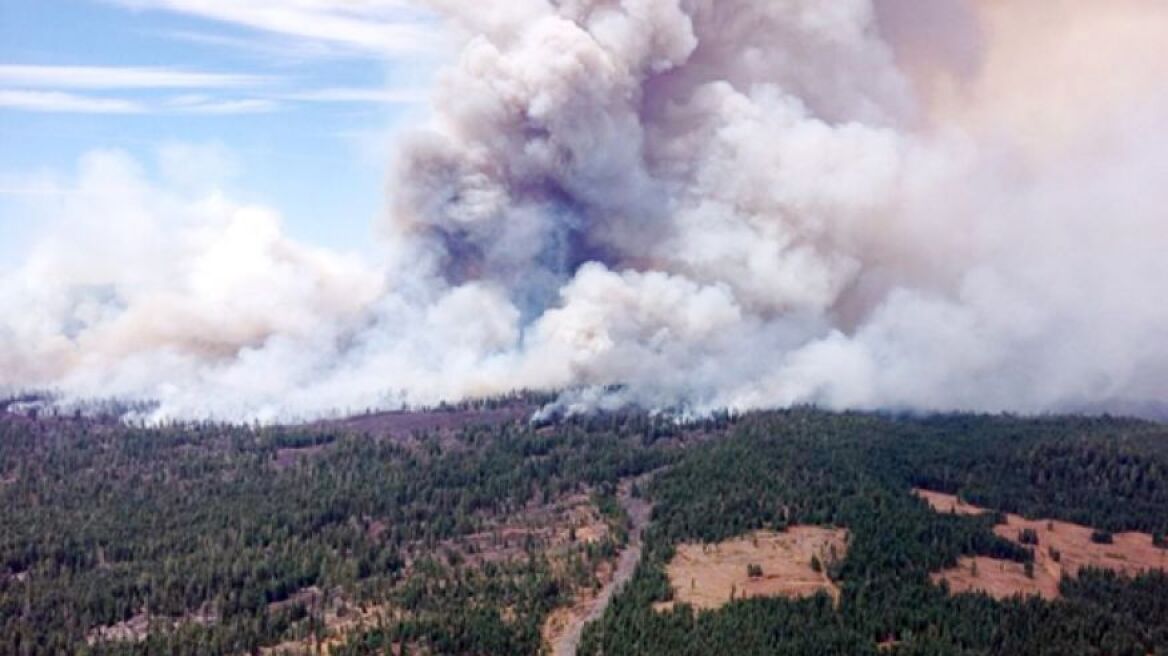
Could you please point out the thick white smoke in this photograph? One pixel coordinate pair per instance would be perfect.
(958, 204)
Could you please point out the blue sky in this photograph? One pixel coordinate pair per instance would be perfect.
(300, 99)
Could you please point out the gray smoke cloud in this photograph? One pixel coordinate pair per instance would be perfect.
(957, 204)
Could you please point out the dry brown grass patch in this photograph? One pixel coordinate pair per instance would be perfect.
(947, 503)
(1129, 554)
(710, 576)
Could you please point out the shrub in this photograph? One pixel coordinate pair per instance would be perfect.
(1102, 537)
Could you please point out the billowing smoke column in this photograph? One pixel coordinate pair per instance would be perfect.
(958, 204)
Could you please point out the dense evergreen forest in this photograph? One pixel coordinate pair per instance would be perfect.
(856, 471)
(226, 539)
(216, 531)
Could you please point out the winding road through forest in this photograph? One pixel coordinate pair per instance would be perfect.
(639, 510)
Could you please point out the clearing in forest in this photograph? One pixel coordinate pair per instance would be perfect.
(1062, 548)
(793, 563)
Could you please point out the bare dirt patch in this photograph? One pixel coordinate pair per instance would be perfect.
(1000, 579)
(554, 529)
(710, 576)
(139, 627)
(561, 624)
(134, 629)
(339, 617)
(948, 503)
(1129, 554)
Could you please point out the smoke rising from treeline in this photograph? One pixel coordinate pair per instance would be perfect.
(958, 204)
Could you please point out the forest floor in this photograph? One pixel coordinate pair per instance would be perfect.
(1128, 554)
(564, 628)
(556, 529)
(138, 627)
(708, 576)
(340, 619)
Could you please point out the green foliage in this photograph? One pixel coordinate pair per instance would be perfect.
(1028, 536)
(218, 532)
(217, 529)
(1102, 537)
(856, 471)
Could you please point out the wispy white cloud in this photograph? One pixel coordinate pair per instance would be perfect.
(269, 47)
(123, 77)
(240, 106)
(50, 89)
(407, 96)
(62, 102)
(204, 104)
(370, 27)
(43, 191)
(56, 101)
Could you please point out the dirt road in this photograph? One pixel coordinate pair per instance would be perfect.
(638, 511)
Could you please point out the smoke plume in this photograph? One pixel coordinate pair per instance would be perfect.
(958, 204)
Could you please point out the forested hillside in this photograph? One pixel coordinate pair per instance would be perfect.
(462, 534)
(856, 471)
(215, 533)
